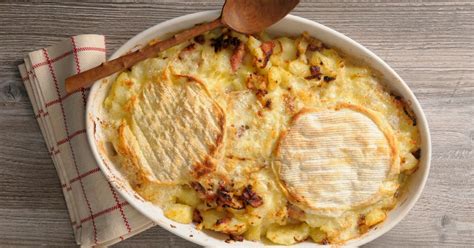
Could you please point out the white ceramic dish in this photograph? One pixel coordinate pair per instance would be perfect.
(290, 25)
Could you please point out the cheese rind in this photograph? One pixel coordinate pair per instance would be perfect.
(333, 160)
(179, 129)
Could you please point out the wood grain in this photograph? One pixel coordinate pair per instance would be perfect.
(430, 44)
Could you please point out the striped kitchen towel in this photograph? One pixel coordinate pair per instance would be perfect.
(99, 216)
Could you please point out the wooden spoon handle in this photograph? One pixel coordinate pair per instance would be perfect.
(87, 78)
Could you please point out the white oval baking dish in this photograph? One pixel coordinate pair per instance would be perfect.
(290, 25)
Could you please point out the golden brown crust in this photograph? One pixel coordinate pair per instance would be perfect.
(203, 168)
(131, 164)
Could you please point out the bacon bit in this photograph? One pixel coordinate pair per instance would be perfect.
(328, 78)
(223, 221)
(294, 212)
(410, 115)
(237, 158)
(185, 50)
(268, 104)
(200, 39)
(315, 72)
(261, 93)
(314, 44)
(398, 98)
(233, 237)
(223, 195)
(217, 43)
(204, 168)
(190, 47)
(417, 154)
(241, 130)
(313, 47)
(397, 193)
(267, 48)
(401, 103)
(251, 198)
(223, 41)
(206, 195)
(198, 187)
(361, 220)
(224, 199)
(197, 218)
(256, 82)
(325, 241)
(237, 56)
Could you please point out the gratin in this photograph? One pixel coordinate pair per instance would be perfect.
(261, 137)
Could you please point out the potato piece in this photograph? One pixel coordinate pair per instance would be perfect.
(254, 47)
(288, 49)
(333, 56)
(409, 162)
(210, 218)
(317, 235)
(354, 72)
(220, 222)
(278, 76)
(327, 60)
(232, 226)
(275, 77)
(299, 68)
(188, 196)
(375, 216)
(389, 187)
(253, 233)
(288, 234)
(180, 213)
(301, 45)
(273, 209)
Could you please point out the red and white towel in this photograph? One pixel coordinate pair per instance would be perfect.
(99, 216)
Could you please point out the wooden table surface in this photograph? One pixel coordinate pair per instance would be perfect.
(430, 44)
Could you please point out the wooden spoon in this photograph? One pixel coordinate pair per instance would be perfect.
(245, 16)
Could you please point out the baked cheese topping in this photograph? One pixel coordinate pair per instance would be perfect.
(264, 138)
(174, 130)
(333, 160)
